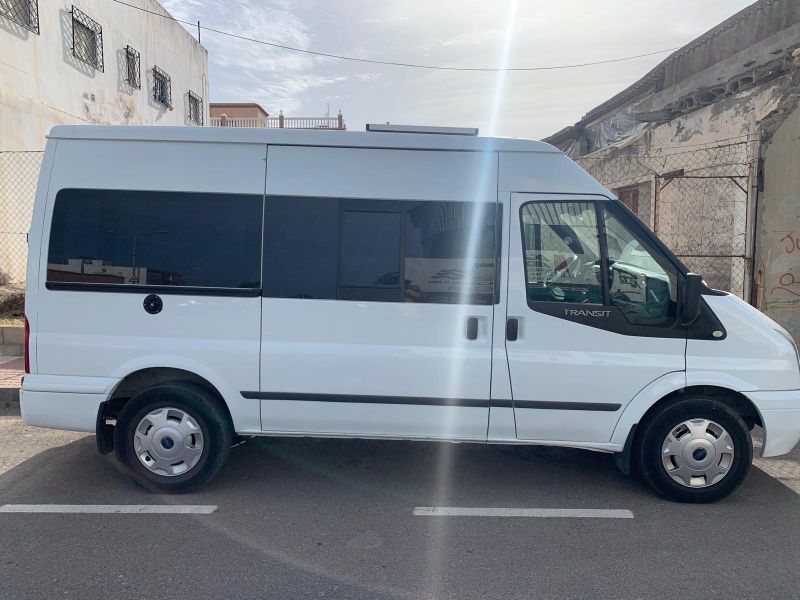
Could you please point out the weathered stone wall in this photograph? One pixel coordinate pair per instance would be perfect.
(778, 229)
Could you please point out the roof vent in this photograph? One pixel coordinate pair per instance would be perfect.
(387, 128)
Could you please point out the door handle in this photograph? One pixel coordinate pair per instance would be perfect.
(472, 328)
(512, 329)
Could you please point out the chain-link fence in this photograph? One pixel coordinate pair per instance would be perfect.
(19, 172)
(696, 198)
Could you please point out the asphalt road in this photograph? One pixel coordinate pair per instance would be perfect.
(334, 519)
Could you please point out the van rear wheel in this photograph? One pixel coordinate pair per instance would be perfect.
(696, 450)
(173, 437)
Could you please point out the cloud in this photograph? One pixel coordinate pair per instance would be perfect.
(466, 33)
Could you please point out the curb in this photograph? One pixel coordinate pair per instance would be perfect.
(9, 402)
(12, 339)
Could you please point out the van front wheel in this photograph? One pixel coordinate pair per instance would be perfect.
(172, 437)
(696, 450)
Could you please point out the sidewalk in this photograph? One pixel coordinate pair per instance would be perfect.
(12, 368)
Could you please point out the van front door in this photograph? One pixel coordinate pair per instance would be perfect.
(592, 316)
(379, 292)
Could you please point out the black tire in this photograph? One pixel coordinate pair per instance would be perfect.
(654, 431)
(204, 409)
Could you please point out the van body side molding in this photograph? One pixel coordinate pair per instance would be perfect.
(547, 405)
(466, 402)
(363, 399)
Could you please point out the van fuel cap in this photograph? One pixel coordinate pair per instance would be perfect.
(153, 304)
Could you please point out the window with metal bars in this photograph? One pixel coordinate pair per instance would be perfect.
(87, 39)
(194, 109)
(21, 12)
(132, 69)
(162, 87)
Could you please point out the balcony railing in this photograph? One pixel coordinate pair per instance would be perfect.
(336, 123)
(237, 122)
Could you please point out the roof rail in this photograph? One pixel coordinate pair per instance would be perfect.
(387, 128)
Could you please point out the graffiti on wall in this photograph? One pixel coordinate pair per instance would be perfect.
(783, 276)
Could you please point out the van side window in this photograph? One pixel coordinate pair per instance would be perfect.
(381, 250)
(370, 258)
(562, 252)
(451, 250)
(644, 290)
(152, 238)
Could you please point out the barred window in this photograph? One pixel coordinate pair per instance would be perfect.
(132, 61)
(195, 109)
(21, 12)
(87, 39)
(162, 87)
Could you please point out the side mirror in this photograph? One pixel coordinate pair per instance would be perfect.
(691, 298)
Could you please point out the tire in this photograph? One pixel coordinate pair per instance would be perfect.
(699, 463)
(151, 426)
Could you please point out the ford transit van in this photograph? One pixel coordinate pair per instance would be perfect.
(186, 285)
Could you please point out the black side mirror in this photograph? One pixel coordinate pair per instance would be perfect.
(691, 298)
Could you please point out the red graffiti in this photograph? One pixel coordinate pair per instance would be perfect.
(791, 243)
(787, 281)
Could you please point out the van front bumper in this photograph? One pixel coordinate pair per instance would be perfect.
(780, 414)
(63, 402)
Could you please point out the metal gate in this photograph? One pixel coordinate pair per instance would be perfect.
(697, 198)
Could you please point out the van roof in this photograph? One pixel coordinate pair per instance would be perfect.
(298, 137)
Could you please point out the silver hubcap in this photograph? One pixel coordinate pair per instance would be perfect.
(697, 453)
(168, 441)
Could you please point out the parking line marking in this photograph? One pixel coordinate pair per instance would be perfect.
(111, 509)
(458, 511)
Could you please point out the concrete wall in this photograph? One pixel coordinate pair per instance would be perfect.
(42, 84)
(778, 231)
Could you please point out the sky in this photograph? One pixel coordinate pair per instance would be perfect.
(461, 33)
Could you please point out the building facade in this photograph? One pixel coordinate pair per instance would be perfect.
(95, 61)
(705, 149)
(250, 114)
(87, 61)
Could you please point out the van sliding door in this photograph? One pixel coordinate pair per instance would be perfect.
(379, 292)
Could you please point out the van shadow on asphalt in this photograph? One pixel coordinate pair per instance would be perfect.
(291, 472)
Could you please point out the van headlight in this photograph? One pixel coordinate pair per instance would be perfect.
(790, 339)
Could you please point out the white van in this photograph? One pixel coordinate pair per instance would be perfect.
(189, 284)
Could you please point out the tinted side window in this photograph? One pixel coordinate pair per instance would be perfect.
(371, 249)
(380, 250)
(450, 253)
(301, 248)
(155, 238)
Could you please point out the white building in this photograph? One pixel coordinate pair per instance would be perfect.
(95, 61)
(84, 61)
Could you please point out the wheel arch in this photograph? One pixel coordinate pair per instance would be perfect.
(669, 389)
(138, 381)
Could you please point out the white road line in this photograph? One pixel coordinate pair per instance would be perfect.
(111, 509)
(458, 511)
